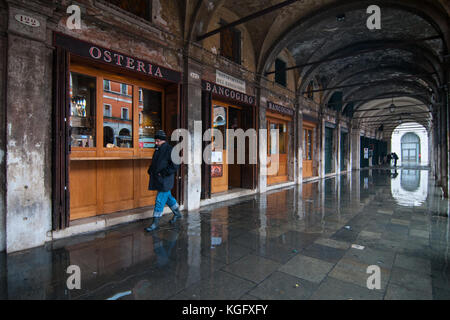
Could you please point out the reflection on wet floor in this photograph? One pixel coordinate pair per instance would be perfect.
(287, 244)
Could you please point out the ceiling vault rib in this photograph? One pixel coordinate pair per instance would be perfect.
(247, 18)
(369, 83)
(387, 108)
(390, 115)
(391, 46)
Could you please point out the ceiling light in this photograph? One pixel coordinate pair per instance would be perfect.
(392, 107)
(340, 17)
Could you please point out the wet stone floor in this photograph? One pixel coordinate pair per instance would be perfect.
(293, 243)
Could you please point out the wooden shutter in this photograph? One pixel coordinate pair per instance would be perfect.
(236, 46)
(61, 141)
(206, 120)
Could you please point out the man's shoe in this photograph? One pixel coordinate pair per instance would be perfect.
(154, 226)
(176, 215)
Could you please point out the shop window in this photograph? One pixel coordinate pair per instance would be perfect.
(120, 116)
(219, 123)
(82, 110)
(277, 147)
(230, 44)
(140, 8)
(150, 120)
(307, 144)
(280, 72)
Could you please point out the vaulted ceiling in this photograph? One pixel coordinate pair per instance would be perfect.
(404, 60)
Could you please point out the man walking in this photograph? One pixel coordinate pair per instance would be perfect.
(395, 157)
(162, 174)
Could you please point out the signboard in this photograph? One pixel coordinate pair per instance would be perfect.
(111, 57)
(216, 170)
(280, 109)
(217, 156)
(228, 93)
(230, 82)
(26, 20)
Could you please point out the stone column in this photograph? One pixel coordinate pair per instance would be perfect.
(322, 147)
(193, 104)
(355, 148)
(300, 138)
(28, 130)
(3, 53)
(262, 139)
(338, 146)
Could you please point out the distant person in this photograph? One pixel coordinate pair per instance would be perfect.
(162, 174)
(395, 157)
(389, 158)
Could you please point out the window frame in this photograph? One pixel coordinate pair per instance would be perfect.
(284, 73)
(100, 151)
(236, 49)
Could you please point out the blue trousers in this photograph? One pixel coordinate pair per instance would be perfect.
(163, 198)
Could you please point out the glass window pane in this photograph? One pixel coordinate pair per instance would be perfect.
(220, 123)
(118, 115)
(273, 138)
(304, 144)
(150, 111)
(283, 135)
(83, 99)
(309, 145)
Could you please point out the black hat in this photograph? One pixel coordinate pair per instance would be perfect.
(161, 135)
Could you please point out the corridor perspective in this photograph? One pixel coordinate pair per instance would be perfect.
(290, 244)
(224, 149)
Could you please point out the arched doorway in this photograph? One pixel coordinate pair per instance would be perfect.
(410, 148)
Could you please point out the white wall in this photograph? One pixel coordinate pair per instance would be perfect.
(420, 131)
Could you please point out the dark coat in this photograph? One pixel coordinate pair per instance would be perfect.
(162, 170)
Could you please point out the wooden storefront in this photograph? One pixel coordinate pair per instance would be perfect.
(309, 134)
(110, 107)
(224, 109)
(278, 118)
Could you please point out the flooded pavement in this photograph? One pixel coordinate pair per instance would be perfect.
(294, 243)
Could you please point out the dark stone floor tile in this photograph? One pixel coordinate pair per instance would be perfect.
(325, 253)
(333, 289)
(252, 267)
(222, 286)
(282, 286)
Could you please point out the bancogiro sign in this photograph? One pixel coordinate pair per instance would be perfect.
(26, 20)
(228, 93)
(280, 109)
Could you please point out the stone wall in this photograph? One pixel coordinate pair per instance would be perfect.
(3, 55)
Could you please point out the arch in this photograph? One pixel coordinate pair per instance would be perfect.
(125, 132)
(411, 143)
(434, 14)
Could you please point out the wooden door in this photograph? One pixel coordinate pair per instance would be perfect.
(308, 150)
(277, 150)
(219, 169)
